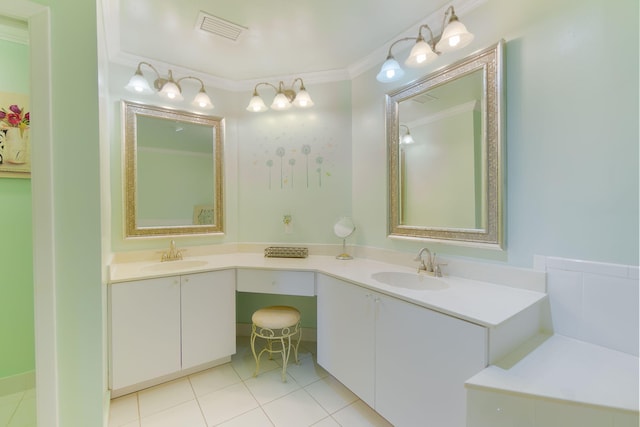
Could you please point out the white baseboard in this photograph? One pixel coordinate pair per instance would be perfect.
(17, 383)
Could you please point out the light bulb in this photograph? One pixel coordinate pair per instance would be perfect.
(303, 100)
(280, 102)
(390, 71)
(421, 54)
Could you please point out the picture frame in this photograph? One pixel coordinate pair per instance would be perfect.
(15, 143)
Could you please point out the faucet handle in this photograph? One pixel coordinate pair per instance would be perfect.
(437, 270)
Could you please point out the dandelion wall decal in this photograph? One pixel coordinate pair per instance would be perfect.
(292, 163)
(280, 153)
(269, 165)
(319, 161)
(306, 150)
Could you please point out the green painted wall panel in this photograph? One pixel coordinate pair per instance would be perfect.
(17, 352)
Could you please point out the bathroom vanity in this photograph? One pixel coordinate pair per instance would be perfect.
(404, 347)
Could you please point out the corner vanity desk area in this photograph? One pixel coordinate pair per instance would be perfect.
(473, 348)
(404, 342)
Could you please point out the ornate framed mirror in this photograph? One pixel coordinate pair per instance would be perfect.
(173, 172)
(445, 153)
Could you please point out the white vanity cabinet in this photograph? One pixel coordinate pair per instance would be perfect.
(164, 326)
(407, 362)
(208, 309)
(346, 334)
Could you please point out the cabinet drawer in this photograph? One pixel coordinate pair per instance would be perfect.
(276, 282)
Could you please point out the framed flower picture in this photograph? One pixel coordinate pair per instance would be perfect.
(15, 144)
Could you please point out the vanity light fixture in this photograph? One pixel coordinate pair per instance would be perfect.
(284, 99)
(454, 36)
(167, 88)
(406, 139)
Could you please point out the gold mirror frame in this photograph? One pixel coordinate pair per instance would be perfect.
(490, 61)
(130, 113)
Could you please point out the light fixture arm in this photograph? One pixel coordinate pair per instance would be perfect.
(451, 13)
(161, 81)
(189, 77)
(139, 69)
(255, 89)
(390, 55)
(298, 79)
(432, 41)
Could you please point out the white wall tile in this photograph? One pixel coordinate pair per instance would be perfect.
(610, 312)
(587, 266)
(565, 298)
(594, 302)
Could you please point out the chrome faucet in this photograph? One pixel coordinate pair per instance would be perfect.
(173, 254)
(431, 267)
(428, 266)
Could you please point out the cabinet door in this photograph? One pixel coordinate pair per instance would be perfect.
(145, 330)
(346, 333)
(208, 317)
(423, 359)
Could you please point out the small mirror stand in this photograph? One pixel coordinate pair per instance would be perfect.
(343, 229)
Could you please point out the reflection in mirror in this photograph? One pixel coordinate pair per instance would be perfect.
(173, 172)
(343, 229)
(445, 181)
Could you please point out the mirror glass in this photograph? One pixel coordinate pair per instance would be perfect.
(173, 172)
(444, 141)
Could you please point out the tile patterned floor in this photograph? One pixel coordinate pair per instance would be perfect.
(18, 409)
(229, 396)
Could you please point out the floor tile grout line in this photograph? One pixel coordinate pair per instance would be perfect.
(195, 395)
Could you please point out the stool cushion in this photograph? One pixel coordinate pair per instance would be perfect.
(276, 317)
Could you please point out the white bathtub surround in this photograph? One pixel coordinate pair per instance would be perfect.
(587, 373)
(594, 302)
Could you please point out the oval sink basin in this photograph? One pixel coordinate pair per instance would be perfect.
(176, 265)
(414, 281)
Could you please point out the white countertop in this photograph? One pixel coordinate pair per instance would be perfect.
(479, 302)
(566, 369)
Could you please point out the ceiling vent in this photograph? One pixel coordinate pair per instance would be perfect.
(219, 27)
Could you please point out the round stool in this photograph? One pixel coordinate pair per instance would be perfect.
(277, 325)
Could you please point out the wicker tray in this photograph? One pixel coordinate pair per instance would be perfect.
(285, 252)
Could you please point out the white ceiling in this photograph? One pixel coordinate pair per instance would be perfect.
(322, 39)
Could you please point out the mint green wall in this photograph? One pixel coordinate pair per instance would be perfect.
(313, 187)
(571, 132)
(17, 354)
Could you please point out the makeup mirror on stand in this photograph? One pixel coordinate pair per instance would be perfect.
(343, 229)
